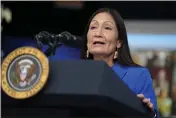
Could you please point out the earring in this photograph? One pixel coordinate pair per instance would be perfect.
(87, 54)
(115, 55)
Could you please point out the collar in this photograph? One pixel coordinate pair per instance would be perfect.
(119, 70)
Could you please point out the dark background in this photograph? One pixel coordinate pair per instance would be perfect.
(30, 18)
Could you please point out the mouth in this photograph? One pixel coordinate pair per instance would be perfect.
(98, 43)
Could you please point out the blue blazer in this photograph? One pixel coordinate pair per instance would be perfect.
(138, 79)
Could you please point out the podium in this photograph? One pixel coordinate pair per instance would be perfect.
(78, 88)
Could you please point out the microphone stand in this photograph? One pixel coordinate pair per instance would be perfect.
(51, 42)
(52, 48)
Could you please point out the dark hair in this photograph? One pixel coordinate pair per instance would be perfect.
(124, 57)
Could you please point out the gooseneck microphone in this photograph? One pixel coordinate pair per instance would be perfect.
(69, 39)
(55, 40)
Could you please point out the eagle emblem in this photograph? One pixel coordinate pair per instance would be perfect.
(24, 74)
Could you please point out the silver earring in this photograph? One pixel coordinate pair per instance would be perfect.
(115, 55)
(87, 54)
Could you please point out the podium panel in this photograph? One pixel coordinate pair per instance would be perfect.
(79, 88)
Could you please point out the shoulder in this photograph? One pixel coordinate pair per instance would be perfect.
(138, 72)
(137, 77)
(131, 72)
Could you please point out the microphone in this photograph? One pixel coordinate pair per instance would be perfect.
(54, 41)
(45, 37)
(69, 39)
(62, 38)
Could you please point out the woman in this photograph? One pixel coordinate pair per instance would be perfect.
(106, 39)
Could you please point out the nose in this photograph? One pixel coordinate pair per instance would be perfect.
(98, 33)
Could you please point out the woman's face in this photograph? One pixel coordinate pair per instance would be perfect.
(102, 35)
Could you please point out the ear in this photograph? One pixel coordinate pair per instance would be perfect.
(118, 43)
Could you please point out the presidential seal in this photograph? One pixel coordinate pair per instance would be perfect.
(24, 72)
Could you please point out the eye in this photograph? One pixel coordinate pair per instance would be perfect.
(92, 27)
(108, 28)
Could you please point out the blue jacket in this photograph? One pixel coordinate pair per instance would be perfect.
(138, 80)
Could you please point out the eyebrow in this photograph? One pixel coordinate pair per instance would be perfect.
(104, 22)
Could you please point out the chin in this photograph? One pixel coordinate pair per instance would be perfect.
(98, 53)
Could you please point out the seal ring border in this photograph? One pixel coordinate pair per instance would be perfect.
(38, 86)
